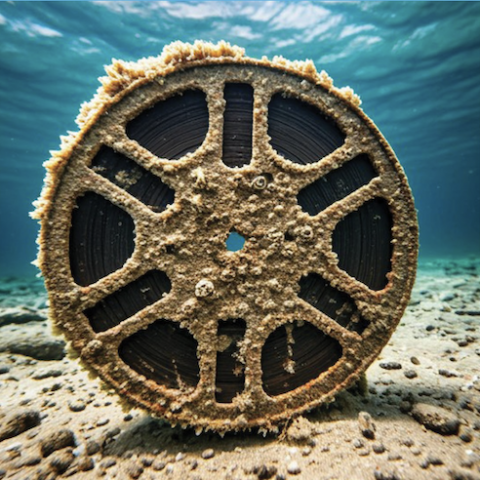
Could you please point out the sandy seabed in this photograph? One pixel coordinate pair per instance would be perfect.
(418, 419)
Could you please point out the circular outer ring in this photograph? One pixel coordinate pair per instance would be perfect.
(266, 272)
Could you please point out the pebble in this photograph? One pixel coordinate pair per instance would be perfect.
(208, 453)
(366, 425)
(85, 464)
(378, 448)
(264, 472)
(415, 360)
(102, 421)
(31, 460)
(379, 475)
(134, 470)
(466, 437)
(158, 465)
(358, 443)
(435, 418)
(92, 447)
(47, 373)
(394, 456)
(56, 441)
(60, 461)
(76, 406)
(4, 369)
(446, 373)
(179, 457)
(293, 468)
(410, 374)
(390, 365)
(462, 475)
(108, 463)
(19, 422)
(433, 460)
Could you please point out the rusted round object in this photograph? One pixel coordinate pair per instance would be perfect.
(174, 155)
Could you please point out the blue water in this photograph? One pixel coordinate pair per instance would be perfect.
(416, 66)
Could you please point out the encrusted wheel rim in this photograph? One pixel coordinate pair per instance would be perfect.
(230, 326)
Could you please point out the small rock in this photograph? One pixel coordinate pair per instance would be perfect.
(77, 406)
(92, 447)
(40, 346)
(85, 464)
(433, 460)
(4, 369)
(410, 374)
(264, 472)
(208, 453)
(415, 360)
(446, 373)
(134, 470)
(102, 421)
(379, 475)
(179, 457)
(424, 464)
(19, 422)
(462, 475)
(378, 448)
(158, 465)
(364, 452)
(390, 365)
(31, 460)
(293, 468)
(58, 440)
(47, 373)
(146, 461)
(366, 425)
(18, 315)
(394, 456)
(300, 431)
(113, 432)
(306, 451)
(358, 443)
(408, 442)
(436, 419)
(108, 463)
(466, 436)
(60, 461)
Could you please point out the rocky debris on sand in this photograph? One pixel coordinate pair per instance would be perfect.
(47, 373)
(208, 453)
(435, 418)
(390, 365)
(338, 441)
(60, 461)
(18, 315)
(18, 422)
(293, 468)
(366, 425)
(33, 342)
(56, 441)
(300, 431)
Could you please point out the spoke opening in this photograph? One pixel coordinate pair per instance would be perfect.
(102, 238)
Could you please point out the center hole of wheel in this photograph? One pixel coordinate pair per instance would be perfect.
(235, 241)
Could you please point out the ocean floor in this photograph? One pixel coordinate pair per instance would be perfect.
(419, 419)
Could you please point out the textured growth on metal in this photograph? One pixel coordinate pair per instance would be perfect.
(173, 155)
